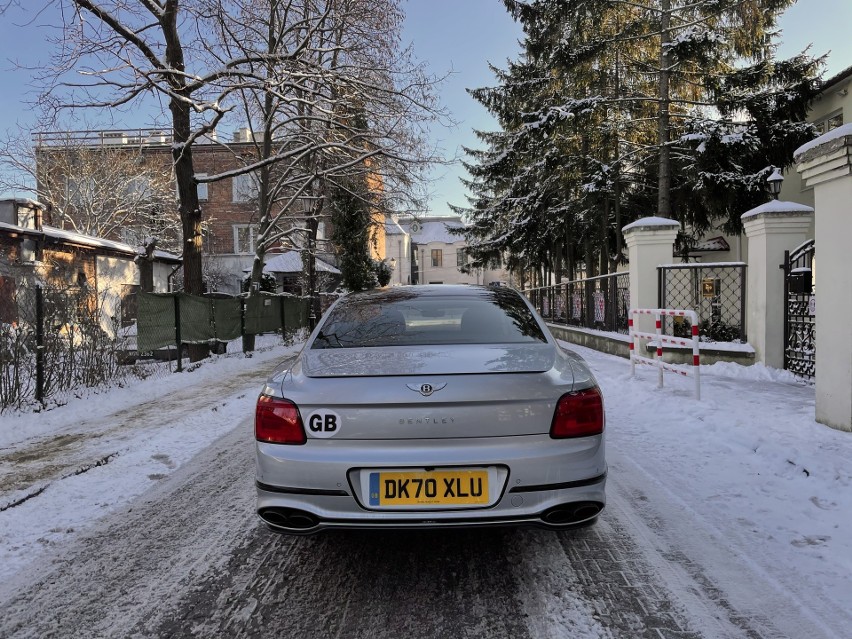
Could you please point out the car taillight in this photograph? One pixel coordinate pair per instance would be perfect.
(277, 421)
(579, 414)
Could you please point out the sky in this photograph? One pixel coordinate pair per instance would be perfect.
(741, 494)
(460, 37)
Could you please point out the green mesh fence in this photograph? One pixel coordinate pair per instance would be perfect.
(156, 322)
(196, 319)
(203, 319)
(227, 318)
(264, 313)
(296, 310)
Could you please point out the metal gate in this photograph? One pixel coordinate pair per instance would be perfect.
(800, 311)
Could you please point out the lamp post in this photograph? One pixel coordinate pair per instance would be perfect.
(774, 182)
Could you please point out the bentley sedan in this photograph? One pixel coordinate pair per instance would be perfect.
(428, 407)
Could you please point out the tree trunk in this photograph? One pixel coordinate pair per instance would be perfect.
(190, 211)
(316, 311)
(664, 198)
(619, 236)
(146, 268)
(603, 258)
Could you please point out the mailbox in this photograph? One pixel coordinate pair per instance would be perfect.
(801, 281)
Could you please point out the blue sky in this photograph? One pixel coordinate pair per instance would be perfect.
(457, 36)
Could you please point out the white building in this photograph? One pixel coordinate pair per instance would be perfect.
(423, 251)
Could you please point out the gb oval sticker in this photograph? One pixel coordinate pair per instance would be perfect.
(324, 423)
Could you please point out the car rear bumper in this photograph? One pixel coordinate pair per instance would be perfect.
(555, 484)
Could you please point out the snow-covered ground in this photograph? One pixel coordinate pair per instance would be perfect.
(744, 485)
(74, 464)
(743, 488)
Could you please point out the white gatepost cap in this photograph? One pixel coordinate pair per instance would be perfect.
(777, 207)
(652, 223)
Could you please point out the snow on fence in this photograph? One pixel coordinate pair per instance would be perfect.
(660, 339)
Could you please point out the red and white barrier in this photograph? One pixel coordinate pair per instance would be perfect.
(660, 339)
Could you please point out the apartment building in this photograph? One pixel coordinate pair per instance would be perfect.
(228, 206)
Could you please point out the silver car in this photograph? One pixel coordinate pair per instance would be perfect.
(426, 407)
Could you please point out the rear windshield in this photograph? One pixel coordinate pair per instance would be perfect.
(405, 319)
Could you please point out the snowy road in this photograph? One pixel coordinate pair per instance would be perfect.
(187, 557)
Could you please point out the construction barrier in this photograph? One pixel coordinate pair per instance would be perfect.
(660, 339)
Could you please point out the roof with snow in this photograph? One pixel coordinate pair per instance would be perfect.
(291, 262)
(64, 236)
(718, 243)
(836, 79)
(392, 227)
(428, 230)
(777, 207)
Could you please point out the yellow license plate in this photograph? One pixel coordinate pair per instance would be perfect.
(429, 488)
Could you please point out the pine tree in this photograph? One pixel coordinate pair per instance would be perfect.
(618, 109)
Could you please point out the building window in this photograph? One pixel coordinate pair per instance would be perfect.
(202, 187)
(79, 190)
(461, 258)
(129, 303)
(245, 187)
(830, 123)
(244, 237)
(138, 188)
(437, 258)
(835, 122)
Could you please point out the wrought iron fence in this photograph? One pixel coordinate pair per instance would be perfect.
(715, 291)
(600, 302)
(800, 310)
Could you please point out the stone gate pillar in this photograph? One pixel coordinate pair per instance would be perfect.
(650, 242)
(826, 165)
(771, 228)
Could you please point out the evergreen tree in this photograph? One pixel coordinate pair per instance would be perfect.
(350, 214)
(619, 109)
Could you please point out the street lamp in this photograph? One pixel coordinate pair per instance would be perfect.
(774, 182)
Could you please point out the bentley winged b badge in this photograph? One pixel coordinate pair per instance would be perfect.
(426, 389)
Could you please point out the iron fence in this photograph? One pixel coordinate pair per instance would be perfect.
(600, 302)
(715, 291)
(800, 310)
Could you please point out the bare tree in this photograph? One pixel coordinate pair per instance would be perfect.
(112, 192)
(308, 69)
(348, 106)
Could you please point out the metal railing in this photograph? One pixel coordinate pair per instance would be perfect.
(601, 302)
(717, 293)
(112, 138)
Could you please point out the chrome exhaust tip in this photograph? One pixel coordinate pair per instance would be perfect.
(574, 513)
(288, 518)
